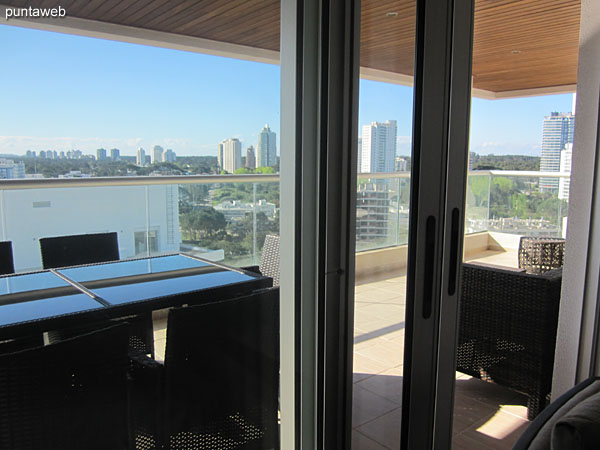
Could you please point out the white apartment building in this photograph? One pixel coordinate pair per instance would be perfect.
(232, 155)
(157, 154)
(378, 147)
(31, 214)
(266, 149)
(140, 157)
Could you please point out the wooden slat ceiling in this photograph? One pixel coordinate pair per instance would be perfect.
(518, 44)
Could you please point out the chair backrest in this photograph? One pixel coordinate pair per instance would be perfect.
(69, 395)
(7, 264)
(269, 260)
(222, 374)
(62, 251)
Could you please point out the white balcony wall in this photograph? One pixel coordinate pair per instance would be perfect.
(30, 214)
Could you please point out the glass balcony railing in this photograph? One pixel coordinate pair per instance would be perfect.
(226, 217)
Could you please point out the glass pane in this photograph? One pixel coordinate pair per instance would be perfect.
(161, 89)
(517, 197)
(382, 208)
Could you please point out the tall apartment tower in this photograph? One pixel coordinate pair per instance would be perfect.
(220, 156)
(232, 155)
(378, 147)
(140, 158)
(115, 154)
(266, 150)
(157, 154)
(557, 131)
(100, 154)
(250, 158)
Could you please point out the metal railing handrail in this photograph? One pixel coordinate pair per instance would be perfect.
(49, 183)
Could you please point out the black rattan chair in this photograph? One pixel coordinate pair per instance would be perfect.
(7, 264)
(74, 250)
(70, 395)
(507, 329)
(219, 383)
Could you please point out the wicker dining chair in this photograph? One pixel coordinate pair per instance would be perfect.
(507, 329)
(67, 396)
(269, 260)
(7, 265)
(219, 383)
(78, 249)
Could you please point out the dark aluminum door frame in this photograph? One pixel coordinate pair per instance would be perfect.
(320, 43)
(438, 184)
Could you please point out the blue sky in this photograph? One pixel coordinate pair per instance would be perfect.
(62, 92)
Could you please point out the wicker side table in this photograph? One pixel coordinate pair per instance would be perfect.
(538, 255)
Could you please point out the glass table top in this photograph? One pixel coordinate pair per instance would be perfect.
(35, 296)
(121, 269)
(40, 295)
(132, 281)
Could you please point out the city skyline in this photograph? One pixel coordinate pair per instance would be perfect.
(143, 96)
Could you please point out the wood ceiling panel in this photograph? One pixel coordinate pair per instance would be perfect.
(518, 44)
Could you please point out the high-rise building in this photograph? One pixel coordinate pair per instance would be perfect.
(266, 150)
(9, 169)
(115, 154)
(157, 154)
(565, 166)
(557, 131)
(400, 164)
(169, 156)
(220, 156)
(100, 154)
(378, 147)
(232, 155)
(140, 158)
(250, 158)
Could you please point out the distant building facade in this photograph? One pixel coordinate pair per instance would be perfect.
(232, 155)
(100, 154)
(250, 158)
(234, 209)
(115, 154)
(169, 156)
(266, 149)
(140, 157)
(157, 154)
(378, 147)
(220, 156)
(558, 131)
(372, 211)
(10, 169)
(565, 166)
(400, 164)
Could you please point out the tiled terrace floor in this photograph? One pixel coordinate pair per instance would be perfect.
(486, 416)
